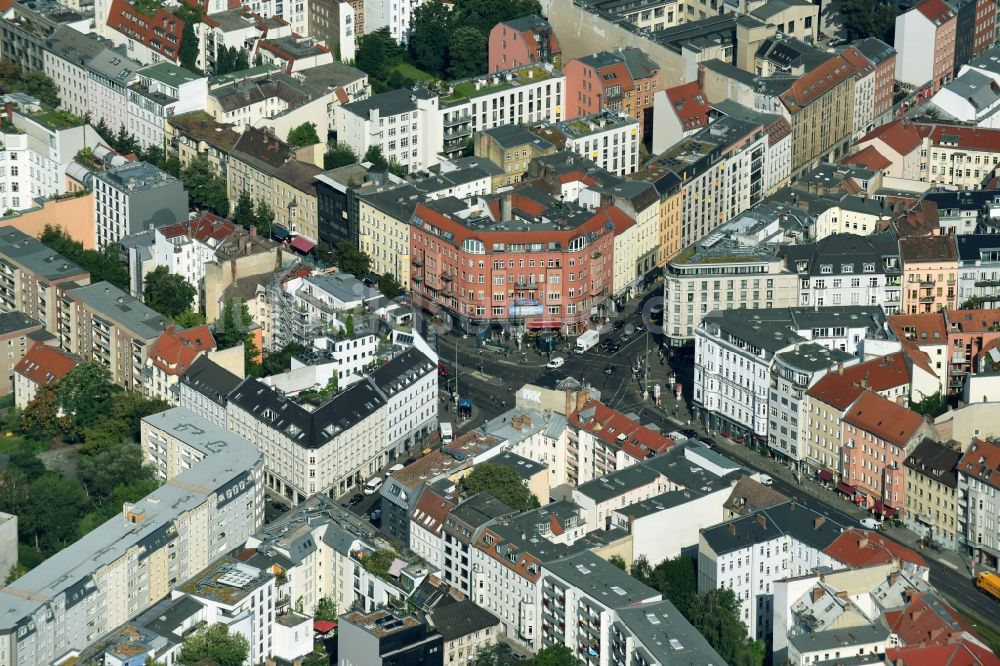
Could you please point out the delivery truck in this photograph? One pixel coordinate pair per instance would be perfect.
(989, 583)
(586, 341)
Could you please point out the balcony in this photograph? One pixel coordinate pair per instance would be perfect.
(456, 121)
(526, 285)
(926, 284)
(418, 262)
(927, 299)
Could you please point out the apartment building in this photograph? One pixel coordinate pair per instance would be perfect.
(189, 136)
(294, 199)
(657, 634)
(977, 507)
(460, 534)
(477, 263)
(159, 92)
(609, 139)
(878, 435)
(31, 276)
(135, 197)
(18, 334)
(252, 163)
(404, 124)
(964, 157)
(170, 357)
(725, 169)
(931, 476)
(384, 637)
(150, 34)
(750, 554)
(65, 57)
(883, 57)
(205, 388)
(578, 596)
(828, 400)
(679, 112)
(184, 248)
(99, 582)
(733, 267)
(930, 270)
(511, 148)
(411, 385)
(528, 40)
(978, 269)
(293, 53)
(339, 445)
(624, 81)
(926, 34)
(339, 24)
(637, 236)
(466, 629)
(23, 34)
(109, 75)
(524, 95)
(41, 366)
(295, 14)
(847, 269)
(102, 323)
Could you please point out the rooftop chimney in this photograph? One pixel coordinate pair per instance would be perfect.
(732, 528)
(863, 542)
(506, 207)
(762, 519)
(840, 369)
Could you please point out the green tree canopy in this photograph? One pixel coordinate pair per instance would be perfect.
(205, 188)
(243, 214)
(188, 53)
(375, 156)
(85, 396)
(932, 405)
(467, 53)
(57, 504)
(264, 216)
(281, 360)
(867, 18)
(555, 655)
(215, 643)
(430, 28)
(352, 260)
(232, 328)
(303, 135)
(389, 285)
(167, 293)
(39, 420)
(37, 84)
(503, 483)
(339, 155)
(377, 53)
(103, 265)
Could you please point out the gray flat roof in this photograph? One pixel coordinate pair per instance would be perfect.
(31, 255)
(122, 308)
(667, 637)
(601, 580)
(812, 357)
(69, 572)
(839, 638)
(11, 322)
(617, 483)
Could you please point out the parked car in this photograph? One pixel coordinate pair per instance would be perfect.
(765, 479)
(373, 485)
(618, 325)
(556, 362)
(871, 523)
(357, 498)
(610, 370)
(615, 348)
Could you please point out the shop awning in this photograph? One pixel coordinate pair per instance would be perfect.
(279, 233)
(425, 303)
(303, 244)
(845, 488)
(825, 475)
(323, 626)
(535, 325)
(884, 509)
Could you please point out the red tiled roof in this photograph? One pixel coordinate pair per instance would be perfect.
(202, 229)
(840, 388)
(971, 138)
(813, 85)
(869, 157)
(927, 618)
(925, 328)
(960, 652)
(928, 248)
(936, 11)
(900, 135)
(614, 428)
(174, 351)
(982, 461)
(431, 511)
(860, 548)
(978, 321)
(129, 21)
(883, 418)
(44, 365)
(778, 130)
(689, 104)
(858, 60)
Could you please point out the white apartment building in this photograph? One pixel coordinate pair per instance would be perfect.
(109, 76)
(793, 372)
(185, 247)
(135, 197)
(848, 269)
(733, 267)
(748, 555)
(520, 96)
(294, 12)
(850, 215)
(393, 14)
(170, 357)
(609, 139)
(965, 157)
(205, 387)
(65, 58)
(99, 582)
(343, 359)
(426, 523)
(533, 433)
(35, 156)
(410, 382)
(404, 124)
(972, 98)
(332, 449)
(576, 600)
(159, 92)
(978, 268)
(978, 509)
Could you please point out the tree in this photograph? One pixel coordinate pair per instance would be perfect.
(973, 303)
(303, 135)
(339, 155)
(265, 218)
(498, 654)
(503, 483)
(326, 609)
(205, 188)
(349, 325)
(37, 84)
(243, 214)
(57, 503)
(188, 52)
(103, 265)
(866, 18)
(38, 420)
(484, 14)
(396, 169)
(85, 395)
(167, 293)
(189, 319)
(352, 260)
(467, 53)
(555, 655)
(619, 562)
(428, 43)
(233, 328)
(932, 405)
(104, 468)
(677, 580)
(389, 285)
(215, 643)
(716, 616)
(280, 361)
(375, 156)
(377, 53)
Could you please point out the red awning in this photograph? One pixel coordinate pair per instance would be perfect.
(543, 324)
(845, 488)
(825, 475)
(884, 509)
(303, 244)
(323, 626)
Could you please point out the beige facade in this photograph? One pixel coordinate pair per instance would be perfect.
(16, 333)
(931, 493)
(294, 206)
(511, 148)
(823, 126)
(386, 239)
(192, 135)
(222, 273)
(463, 650)
(822, 446)
(965, 163)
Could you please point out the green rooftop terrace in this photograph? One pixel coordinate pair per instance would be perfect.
(492, 83)
(55, 119)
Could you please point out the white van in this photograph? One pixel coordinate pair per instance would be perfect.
(373, 485)
(447, 434)
(395, 468)
(871, 524)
